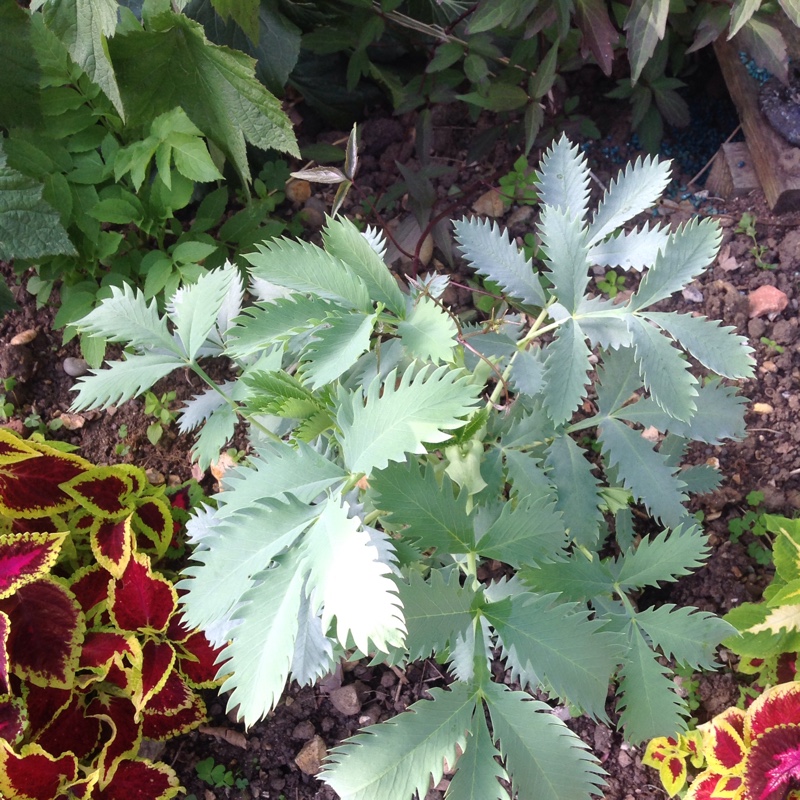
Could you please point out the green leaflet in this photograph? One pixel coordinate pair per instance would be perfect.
(436, 612)
(303, 267)
(429, 514)
(478, 771)
(634, 249)
(564, 240)
(649, 705)
(563, 179)
(348, 579)
(428, 333)
(576, 579)
(491, 253)
(383, 427)
(562, 646)
(545, 760)
(217, 430)
(402, 755)
(566, 372)
(685, 635)
(619, 379)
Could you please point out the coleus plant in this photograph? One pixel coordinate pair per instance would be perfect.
(744, 755)
(94, 655)
(395, 449)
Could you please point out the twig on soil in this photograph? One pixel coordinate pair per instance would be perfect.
(711, 160)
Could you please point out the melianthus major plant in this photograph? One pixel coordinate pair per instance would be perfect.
(394, 449)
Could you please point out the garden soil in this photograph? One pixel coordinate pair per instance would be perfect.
(277, 757)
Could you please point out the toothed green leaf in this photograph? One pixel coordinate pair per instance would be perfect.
(335, 348)
(428, 333)
(634, 249)
(563, 179)
(566, 372)
(478, 773)
(564, 242)
(576, 579)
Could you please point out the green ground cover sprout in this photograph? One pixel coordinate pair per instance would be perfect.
(394, 448)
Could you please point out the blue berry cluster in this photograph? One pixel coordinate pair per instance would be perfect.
(757, 73)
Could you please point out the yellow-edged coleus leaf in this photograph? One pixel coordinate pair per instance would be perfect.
(126, 735)
(161, 725)
(31, 476)
(111, 544)
(197, 657)
(772, 769)
(46, 632)
(100, 647)
(72, 730)
(90, 585)
(158, 662)
(33, 773)
(779, 705)
(141, 599)
(725, 747)
(13, 718)
(26, 557)
(138, 778)
(706, 785)
(667, 756)
(43, 704)
(105, 491)
(5, 627)
(153, 520)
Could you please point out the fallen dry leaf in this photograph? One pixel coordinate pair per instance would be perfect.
(489, 204)
(226, 735)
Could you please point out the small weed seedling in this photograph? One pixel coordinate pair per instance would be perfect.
(772, 344)
(752, 521)
(519, 185)
(747, 226)
(6, 406)
(160, 409)
(217, 775)
(122, 449)
(611, 283)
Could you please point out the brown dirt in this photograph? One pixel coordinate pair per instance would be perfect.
(768, 460)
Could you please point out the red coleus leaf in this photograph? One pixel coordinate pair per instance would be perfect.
(158, 660)
(105, 491)
(139, 780)
(126, 735)
(142, 600)
(707, 786)
(776, 706)
(153, 520)
(47, 628)
(91, 586)
(5, 667)
(12, 718)
(43, 705)
(787, 667)
(100, 647)
(33, 774)
(31, 477)
(72, 730)
(175, 696)
(111, 544)
(773, 763)
(197, 661)
(725, 747)
(25, 557)
(161, 726)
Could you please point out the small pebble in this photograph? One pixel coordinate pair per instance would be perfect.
(766, 300)
(692, 295)
(75, 367)
(310, 757)
(762, 408)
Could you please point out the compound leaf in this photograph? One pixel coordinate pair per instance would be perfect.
(348, 580)
(719, 349)
(429, 514)
(545, 759)
(643, 471)
(436, 612)
(303, 267)
(685, 635)
(649, 705)
(401, 756)
(492, 254)
(398, 416)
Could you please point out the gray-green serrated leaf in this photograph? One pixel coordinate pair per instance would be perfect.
(436, 611)
(348, 579)
(577, 490)
(344, 241)
(685, 635)
(604, 322)
(687, 254)
(567, 255)
(194, 308)
(664, 558)
(634, 190)
(527, 477)
(664, 371)
(401, 756)
(263, 324)
(563, 179)
(396, 417)
(275, 469)
(335, 348)
(122, 380)
(566, 369)
(313, 652)
(428, 333)
(126, 317)
(527, 533)
(492, 254)
(429, 514)
(634, 249)
(477, 770)
(643, 471)
(261, 649)
(545, 759)
(648, 705)
(562, 645)
(200, 407)
(527, 374)
(576, 579)
(217, 431)
(701, 478)
(304, 267)
(719, 349)
(619, 379)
